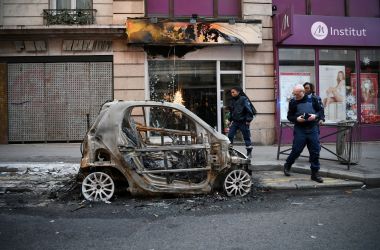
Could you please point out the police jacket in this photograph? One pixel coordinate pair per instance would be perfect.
(310, 104)
(240, 109)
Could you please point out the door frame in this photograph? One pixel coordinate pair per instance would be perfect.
(210, 53)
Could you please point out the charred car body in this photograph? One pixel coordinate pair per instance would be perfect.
(155, 148)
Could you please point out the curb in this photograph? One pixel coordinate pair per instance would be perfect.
(275, 180)
(372, 180)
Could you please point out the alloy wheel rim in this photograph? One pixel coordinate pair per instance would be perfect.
(237, 182)
(98, 186)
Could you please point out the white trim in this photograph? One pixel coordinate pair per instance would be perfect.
(231, 72)
(219, 106)
(146, 72)
(243, 69)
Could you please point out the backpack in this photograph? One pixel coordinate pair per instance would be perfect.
(254, 111)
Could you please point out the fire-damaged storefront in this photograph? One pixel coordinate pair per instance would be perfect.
(194, 63)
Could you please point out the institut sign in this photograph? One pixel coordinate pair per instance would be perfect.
(320, 31)
(326, 30)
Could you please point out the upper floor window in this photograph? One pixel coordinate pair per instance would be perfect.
(69, 12)
(72, 4)
(185, 8)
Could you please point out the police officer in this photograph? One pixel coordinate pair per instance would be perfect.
(305, 111)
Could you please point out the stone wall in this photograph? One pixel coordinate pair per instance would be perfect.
(259, 73)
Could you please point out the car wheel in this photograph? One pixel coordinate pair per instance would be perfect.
(98, 186)
(237, 182)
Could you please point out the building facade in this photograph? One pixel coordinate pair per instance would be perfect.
(336, 46)
(60, 60)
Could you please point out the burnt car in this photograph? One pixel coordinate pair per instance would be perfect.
(155, 148)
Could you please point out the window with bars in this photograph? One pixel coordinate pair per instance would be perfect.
(69, 12)
(72, 4)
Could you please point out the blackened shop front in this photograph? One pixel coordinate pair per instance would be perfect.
(194, 64)
(341, 56)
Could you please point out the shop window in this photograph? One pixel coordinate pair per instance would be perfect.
(369, 85)
(337, 84)
(327, 7)
(201, 8)
(230, 65)
(296, 67)
(190, 83)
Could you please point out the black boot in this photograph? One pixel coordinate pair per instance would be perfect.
(249, 151)
(315, 176)
(287, 169)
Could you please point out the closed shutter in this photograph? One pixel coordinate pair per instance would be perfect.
(53, 101)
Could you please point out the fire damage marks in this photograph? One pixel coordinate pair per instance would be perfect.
(154, 148)
(33, 183)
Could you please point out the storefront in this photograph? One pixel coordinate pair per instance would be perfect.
(194, 64)
(51, 91)
(341, 56)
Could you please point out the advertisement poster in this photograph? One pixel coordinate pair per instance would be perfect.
(332, 90)
(287, 81)
(369, 96)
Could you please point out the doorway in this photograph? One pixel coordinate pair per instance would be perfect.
(201, 86)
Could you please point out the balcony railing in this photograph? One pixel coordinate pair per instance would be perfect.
(69, 16)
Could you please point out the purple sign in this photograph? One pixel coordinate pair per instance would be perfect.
(285, 24)
(329, 30)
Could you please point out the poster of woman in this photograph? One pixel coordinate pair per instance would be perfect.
(369, 96)
(332, 89)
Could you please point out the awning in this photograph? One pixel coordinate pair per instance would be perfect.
(144, 31)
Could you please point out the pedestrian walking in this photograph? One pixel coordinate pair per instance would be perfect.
(242, 113)
(305, 111)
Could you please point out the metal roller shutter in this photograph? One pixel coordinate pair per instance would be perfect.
(51, 101)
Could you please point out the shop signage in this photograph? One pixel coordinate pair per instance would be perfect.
(285, 24)
(143, 31)
(329, 30)
(87, 45)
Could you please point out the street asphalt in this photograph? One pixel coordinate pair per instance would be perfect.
(59, 160)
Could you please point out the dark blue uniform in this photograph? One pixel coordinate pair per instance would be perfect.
(305, 133)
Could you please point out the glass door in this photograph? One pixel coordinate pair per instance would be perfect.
(201, 86)
(229, 76)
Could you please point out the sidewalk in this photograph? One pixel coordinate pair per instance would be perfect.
(267, 170)
(51, 162)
